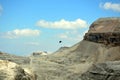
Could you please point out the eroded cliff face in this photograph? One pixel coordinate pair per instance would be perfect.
(105, 31)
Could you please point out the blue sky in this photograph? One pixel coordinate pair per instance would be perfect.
(27, 26)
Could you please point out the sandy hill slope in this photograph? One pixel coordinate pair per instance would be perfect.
(86, 51)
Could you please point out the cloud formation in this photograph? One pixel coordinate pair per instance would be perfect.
(20, 33)
(111, 6)
(1, 9)
(62, 24)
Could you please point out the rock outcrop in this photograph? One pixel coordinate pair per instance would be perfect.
(12, 71)
(105, 30)
(103, 71)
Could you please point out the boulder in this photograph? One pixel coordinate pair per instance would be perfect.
(12, 71)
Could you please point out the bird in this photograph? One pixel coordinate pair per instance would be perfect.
(60, 41)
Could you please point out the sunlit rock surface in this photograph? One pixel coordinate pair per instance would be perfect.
(12, 71)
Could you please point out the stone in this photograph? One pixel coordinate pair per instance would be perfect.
(12, 71)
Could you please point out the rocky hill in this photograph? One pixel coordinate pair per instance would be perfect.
(87, 60)
(74, 63)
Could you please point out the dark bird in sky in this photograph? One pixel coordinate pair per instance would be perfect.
(60, 41)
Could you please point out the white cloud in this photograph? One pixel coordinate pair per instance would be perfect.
(111, 6)
(1, 9)
(20, 33)
(62, 24)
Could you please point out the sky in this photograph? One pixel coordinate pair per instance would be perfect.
(27, 26)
